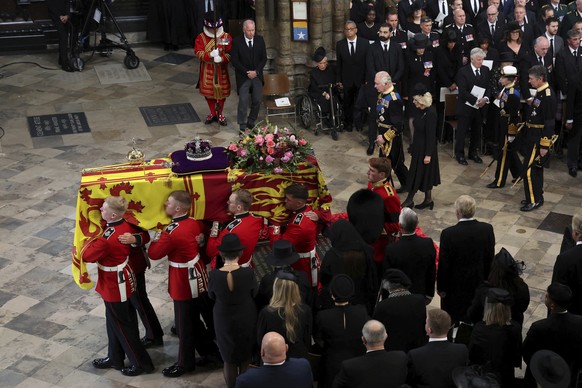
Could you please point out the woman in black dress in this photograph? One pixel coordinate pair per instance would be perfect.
(505, 273)
(496, 342)
(369, 28)
(235, 314)
(424, 167)
(320, 79)
(287, 315)
(350, 255)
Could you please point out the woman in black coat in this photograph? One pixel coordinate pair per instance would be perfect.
(350, 255)
(505, 273)
(424, 171)
(495, 342)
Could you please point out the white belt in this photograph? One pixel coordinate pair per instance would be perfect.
(193, 273)
(120, 278)
(313, 264)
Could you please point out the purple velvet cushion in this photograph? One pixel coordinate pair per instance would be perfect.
(183, 166)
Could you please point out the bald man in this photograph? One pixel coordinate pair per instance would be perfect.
(276, 369)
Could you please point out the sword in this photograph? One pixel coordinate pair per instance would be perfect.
(538, 159)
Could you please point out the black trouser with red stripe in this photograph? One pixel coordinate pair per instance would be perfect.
(123, 335)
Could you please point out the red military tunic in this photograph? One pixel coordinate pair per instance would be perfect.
(391, 214)
(302, 233)
(247, 227)
(187, 277)
(115, 277)
(203, 45)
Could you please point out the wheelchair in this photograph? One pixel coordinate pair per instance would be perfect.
(311, 116)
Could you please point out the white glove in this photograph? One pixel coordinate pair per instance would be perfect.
(510, 138)
(217, 59)
(214, 53)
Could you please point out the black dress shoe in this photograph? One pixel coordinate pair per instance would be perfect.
(105, 363)
(475, 158)
(531, 206)
(370, 149)
(425, 205)
(408, 204)
(524, 202)
(152, 342)
(493, 185)
(173, 330)
(210, 119)
(176, 370)
(401, 190)
(222, 121)
(67, 68)
(573, 171)
(136, 370)
(461, 160)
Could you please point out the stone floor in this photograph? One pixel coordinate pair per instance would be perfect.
(51, 329)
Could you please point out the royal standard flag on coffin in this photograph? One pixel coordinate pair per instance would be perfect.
(300, 30)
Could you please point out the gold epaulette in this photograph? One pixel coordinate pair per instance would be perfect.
(545, 142)
(389, 190)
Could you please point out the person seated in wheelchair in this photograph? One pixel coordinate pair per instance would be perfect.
(319, 80)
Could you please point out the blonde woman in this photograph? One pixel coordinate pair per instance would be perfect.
(287, 315)
(424, 170)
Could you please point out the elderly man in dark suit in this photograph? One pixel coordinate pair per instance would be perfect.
(248, 56)
(432, 365)
(568, 61)
(493, 27)
(466, 254)
(377, 368)
(538, 56)
(277, 370)
(351, 68)
(568, 267)
(413, 255)
(469, 105)
(559, 332)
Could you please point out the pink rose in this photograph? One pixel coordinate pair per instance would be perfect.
(270, 151)
(277, 170)
(232, 147)
(259, 139)
(269, 137)
(271, 143)
(285, 158)
(243, 153)
(269, 159)
(302, 142)
(289, 154)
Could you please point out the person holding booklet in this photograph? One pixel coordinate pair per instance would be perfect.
(473, 86)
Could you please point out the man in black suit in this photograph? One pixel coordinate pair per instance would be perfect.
(470, 116)
(466, 254)
(377, 368)
(526, 25)
(556, 41)
(351, 68)
(568, 61)
(399, 36)
(432, 365)
(539, 56)
(248, 56)
(492, 27)
(568, 267)
(559, 332)
(59, 13)
(472, 9)
(434, 8)
(402, 313)
(574, 124)
(277, 370)
(413, 255)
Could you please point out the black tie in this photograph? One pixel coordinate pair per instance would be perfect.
(552, 47)
(385, 48)
(444, 8)
(493, 31)
(477, 74)
(574, 53)
(476, 6)
(251, 44)
(541, 60)
(209, 6)
(352, 51)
